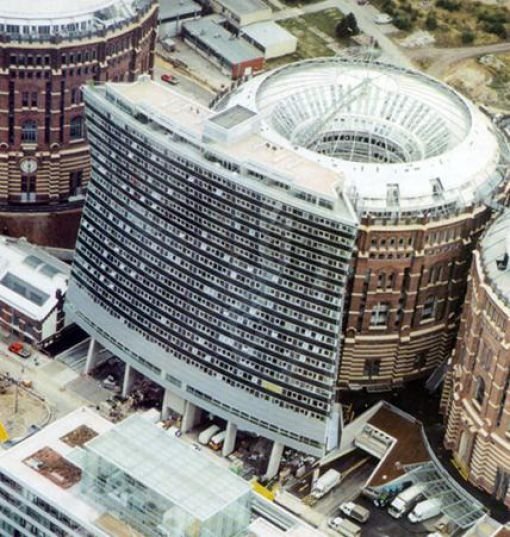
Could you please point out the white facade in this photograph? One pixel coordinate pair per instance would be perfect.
(172, 15)
(32, 288)
(132, 478)
(401, 138)
(253, 222)
(63, 17)
(243, 12)
(273, 40)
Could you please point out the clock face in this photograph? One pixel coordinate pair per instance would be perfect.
(28, 165)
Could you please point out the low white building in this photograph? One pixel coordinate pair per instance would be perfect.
(269, 37)
(242, 12)
(172, 14)
(33, 285)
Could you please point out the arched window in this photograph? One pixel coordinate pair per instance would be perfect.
(479, 390)
(29, 131)
(76, 131)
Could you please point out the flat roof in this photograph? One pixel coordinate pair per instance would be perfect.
(232, 116)
(267, 33)
(401, 137)
(244, 7)
(69, 500)
(30, 278)
(408, 448)
(234, 49)
(55, 15)
(165, 106)
(170, 9)
(169, 467)
(263, 528)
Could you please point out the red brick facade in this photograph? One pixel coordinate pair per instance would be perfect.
(478, 410)
(407, 291)
(42, 119)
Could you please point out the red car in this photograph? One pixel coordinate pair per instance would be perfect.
(170, 79)
(21, 350)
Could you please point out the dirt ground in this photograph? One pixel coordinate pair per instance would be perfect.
(31, 411)
(473, 80)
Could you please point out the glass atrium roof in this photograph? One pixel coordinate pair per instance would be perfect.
(170, 467)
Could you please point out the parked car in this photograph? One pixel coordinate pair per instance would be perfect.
(170, 79)
(110, 383)
(355, 511)
(20, 349)
(383, 18)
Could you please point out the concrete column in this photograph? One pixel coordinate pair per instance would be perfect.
(129, 377)
(165, 407)
(92, 356)
(190, 417)
(274, 460)
(230, 439)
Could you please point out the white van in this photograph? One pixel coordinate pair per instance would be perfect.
(425, 510)
(205, 436)
(404, 501)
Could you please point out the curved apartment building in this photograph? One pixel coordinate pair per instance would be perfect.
(49, 50)
(478, 412)
(420, 163)
(214, 262)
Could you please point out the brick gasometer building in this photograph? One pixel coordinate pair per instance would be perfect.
(47, 53)
(418, 162)
(478, 409)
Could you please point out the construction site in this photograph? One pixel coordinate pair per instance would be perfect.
(22, 411)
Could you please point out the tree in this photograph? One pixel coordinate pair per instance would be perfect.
(403, 22)
(467, 37)
(431, 21)
(347, 26)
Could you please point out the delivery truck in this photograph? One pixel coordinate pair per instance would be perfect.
(205, 436)
(344, 527)
(326, 482)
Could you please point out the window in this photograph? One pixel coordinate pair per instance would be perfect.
(372, 367)
(75, 183)
(29, 131)
(420, 360)
(429, 308)
(75, 96)
(33, 101)
(76, 131)
(24, 98)
(479, 390)
(28, 187)
(379, 315)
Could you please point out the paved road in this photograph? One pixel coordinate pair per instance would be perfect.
(443, 59)
(187, 86)
(365, 18)
(380, 524)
